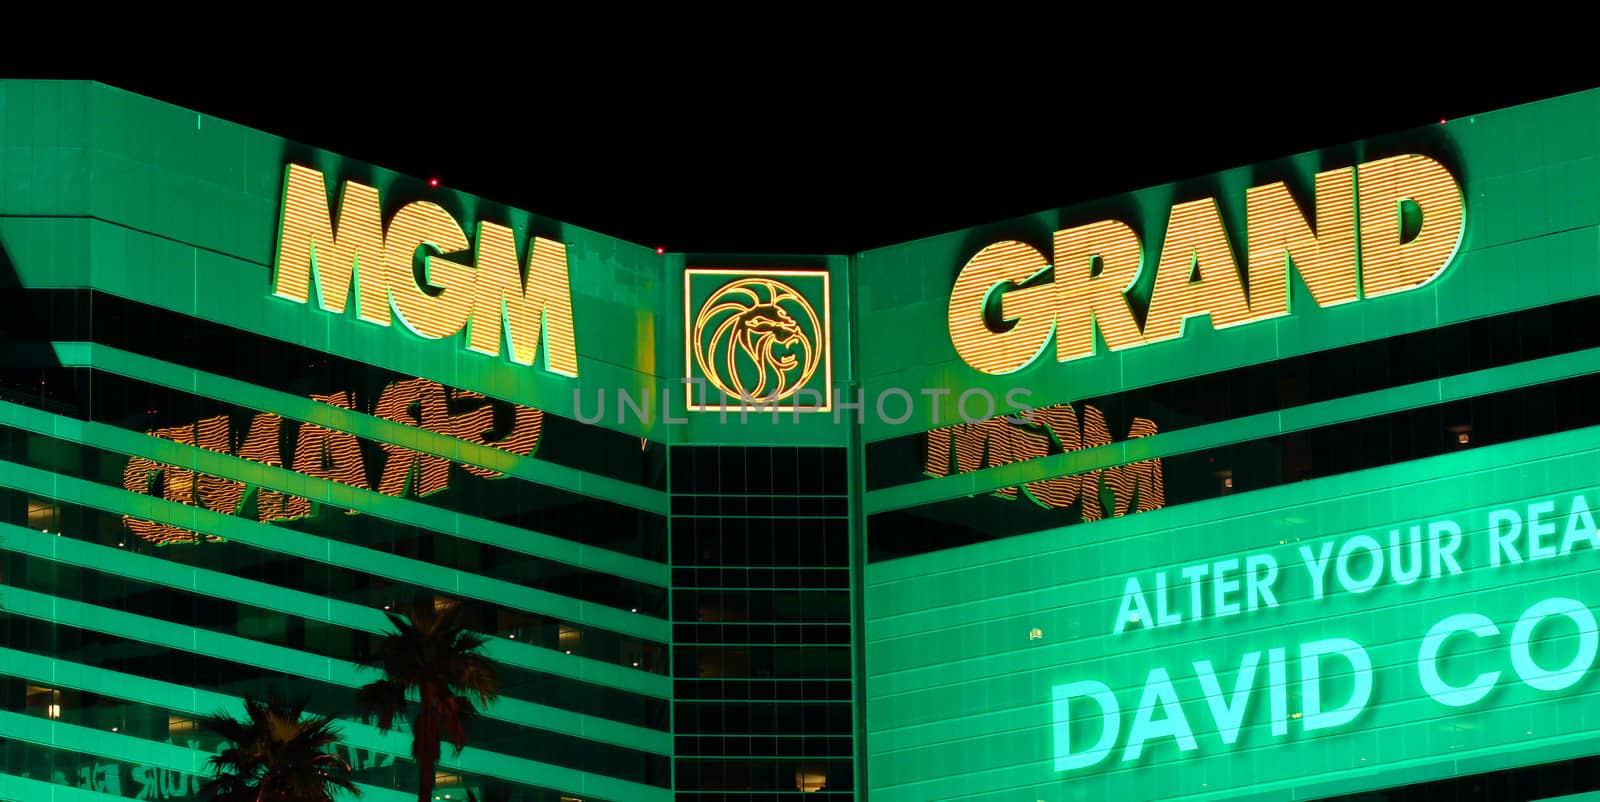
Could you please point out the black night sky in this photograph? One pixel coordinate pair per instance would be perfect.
(716, 158)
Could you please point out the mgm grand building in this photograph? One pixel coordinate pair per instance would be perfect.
(1272, 484)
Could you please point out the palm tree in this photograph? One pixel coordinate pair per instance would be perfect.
(431, 655)
(276, 754)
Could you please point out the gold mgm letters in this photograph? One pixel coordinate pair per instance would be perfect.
(1197, 274)
(325, 453)
(487, 298)
(1136, 487)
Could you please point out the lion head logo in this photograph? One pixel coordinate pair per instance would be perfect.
(755, 340)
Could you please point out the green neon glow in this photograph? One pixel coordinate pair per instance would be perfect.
(200, 702)
(305, 410)
(308, 606)
(404, 511)
(14, 787)
(310, 547)
(277, 658)
(1199, 438)
(185, 221)
(1377, 685)
(127, 749)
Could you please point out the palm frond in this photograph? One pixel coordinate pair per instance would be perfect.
(276, 752)
(470, 668)
(432, 654)
(382, 700)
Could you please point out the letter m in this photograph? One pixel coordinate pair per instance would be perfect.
(311, 250)
(974, 446)
(1137, 486)
(524, 310)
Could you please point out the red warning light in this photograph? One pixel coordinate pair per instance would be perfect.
(433, 182)
(1441, 121)
(660, 250)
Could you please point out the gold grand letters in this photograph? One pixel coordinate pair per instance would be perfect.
(979, 286)
(1407, 211)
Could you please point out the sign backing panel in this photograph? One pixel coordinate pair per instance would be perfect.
(1371, 629)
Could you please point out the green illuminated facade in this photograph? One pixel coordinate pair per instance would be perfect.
(253, 394)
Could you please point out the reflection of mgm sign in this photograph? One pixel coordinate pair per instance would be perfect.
(758, 339)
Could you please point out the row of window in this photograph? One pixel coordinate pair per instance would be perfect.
(771, 690)
(757, 542)
(812, 746)
(727, 633)
(119, 778)
(204, 551)
(770, 796)
(748, 661)
(759, 470)
(758, 672)
(1412, 434)
(130, 594)
(342, 584)
(1334, 373)
(765, 774)
(113, 652)
(325, 453)
(759, 604)
(760, 578)
(791, 506)
(44, 315)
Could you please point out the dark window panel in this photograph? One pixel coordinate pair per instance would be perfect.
(1241, 467)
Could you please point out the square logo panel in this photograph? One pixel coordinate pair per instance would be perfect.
(758, 338)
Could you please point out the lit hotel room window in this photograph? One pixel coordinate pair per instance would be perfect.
(570, 639)
(810, 779)
(47, 701)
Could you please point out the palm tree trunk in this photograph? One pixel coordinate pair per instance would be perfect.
(425, 781)
(425, 749)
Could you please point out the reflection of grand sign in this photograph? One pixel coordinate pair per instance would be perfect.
(329, 454)
(1408, 214)
(1135, 487)
(490, 298)
(758, 339)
